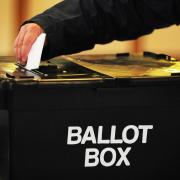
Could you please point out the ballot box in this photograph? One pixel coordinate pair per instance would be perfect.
(91, 117)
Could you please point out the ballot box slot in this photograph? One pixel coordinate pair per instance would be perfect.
(23, 72)
(58, 72)
(66, 70)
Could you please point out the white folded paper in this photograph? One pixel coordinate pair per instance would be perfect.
(34, 56)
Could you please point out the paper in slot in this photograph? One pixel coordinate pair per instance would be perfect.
(34, 56)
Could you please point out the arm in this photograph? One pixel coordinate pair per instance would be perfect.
(76, 25)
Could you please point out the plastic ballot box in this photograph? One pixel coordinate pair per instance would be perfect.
(91, 117)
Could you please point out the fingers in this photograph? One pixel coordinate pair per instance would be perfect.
(16, 46)
(24, 41)
(20, 42)
(28, 40)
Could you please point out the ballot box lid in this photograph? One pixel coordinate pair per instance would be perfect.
(143, 68)
(111, 70)
(59, 71)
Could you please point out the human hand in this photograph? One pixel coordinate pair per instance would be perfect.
(25, 39)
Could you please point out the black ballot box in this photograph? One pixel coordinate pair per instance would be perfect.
(91, 117)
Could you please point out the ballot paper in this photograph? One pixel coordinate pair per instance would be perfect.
(34, 56)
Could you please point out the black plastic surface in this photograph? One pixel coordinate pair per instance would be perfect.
(4, 145)
(40, 113)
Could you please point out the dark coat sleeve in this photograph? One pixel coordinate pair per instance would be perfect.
(76, 25)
